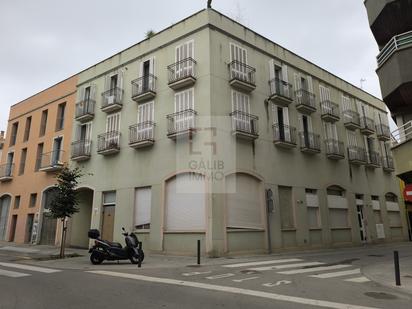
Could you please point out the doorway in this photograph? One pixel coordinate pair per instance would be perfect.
(4, 215)
(29, 228)
(108, 222)
(13, 228)
(361, 221)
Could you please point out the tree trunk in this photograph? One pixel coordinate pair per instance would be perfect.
(63, 239)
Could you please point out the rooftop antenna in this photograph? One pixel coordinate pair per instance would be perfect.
(209, 4)
(362, 80)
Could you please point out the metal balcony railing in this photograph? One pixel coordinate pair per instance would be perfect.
(309, 140)
(356, 153)
(242, 72)
(402, 134)
(143, 85)
(181, 121)
(112, 96)
(81, 148)
(306, 98)
(85, 107)
(52, 159)
(284, 133)
(387, 163)
(396, 43)
(143, 131)
(243, 122)
(108, 141)
(373, 158)
(334, 147)
(6, 170)
(281, 88)
(367, 123)
(182, 69)
(383, 130)
(329, 108)
(351, 116)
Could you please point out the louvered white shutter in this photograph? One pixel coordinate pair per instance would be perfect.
(143, 201)
(145, 121)
(285, 78)
(310, 83)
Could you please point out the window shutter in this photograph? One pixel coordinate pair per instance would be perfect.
(285, 73)
(107, 82)
(80, 94)
(93, 91)
(310, 83)
(143, 200)
(271, 69)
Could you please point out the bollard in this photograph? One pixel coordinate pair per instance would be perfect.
(198, 252)
(397, 271)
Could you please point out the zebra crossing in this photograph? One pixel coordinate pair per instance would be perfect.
(313, 269)
(13, 270)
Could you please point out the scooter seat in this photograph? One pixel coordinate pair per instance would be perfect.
(113, 244)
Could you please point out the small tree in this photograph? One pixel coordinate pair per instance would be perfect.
(150, 33)
(64, 203)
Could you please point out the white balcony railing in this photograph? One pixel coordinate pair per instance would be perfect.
(402, 134)
(397, 42)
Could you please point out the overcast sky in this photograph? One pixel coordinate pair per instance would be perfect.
(46, 41)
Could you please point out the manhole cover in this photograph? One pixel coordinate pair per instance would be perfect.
(380, 295)
(376, 255)
(249, 272)
(408, 276)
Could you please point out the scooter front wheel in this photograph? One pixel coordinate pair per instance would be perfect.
(134, 259)
(96, 258)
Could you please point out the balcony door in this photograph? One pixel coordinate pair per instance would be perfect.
(306, 129)
(370, 147)
(112, 130)
(9, 164)
(331, 136)
(4, 215)
(239, 55)
(279, 78)
(84, 136)
(183, 52)
(57, 147)
(241, 107)
(145, 118)
(184, 105)
(281, 118)
(146, 74)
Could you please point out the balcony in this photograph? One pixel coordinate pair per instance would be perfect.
(85, 110)
(373, 159)
(242, 76)
(284, 136)
(367, 125)
(112, 100)
(244, 126)
(108, 143)
(383, 132)
(334, 149)
(329, 111)
(280, 92)
(182, 74)
(357, 155)
(351, 119)
(387, 164)
(51, 161)
(181, 124)
(81, 150)
(309, 142)
(141, 134)
(6, 172)
(144, 88)
(305, 101)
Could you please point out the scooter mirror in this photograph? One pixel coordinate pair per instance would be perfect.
(123, 229)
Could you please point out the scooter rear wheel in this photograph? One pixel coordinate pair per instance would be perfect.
(96, 258)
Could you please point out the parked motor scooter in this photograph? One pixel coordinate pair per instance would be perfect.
(113, 251)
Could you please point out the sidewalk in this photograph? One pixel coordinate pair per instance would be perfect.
(384, 273)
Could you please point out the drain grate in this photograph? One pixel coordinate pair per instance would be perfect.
(376, 255)
(380, 295)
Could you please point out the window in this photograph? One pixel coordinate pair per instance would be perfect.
(84, 132)
(145, 118)
(184, 107)
(142, 206)
(241, 111)
(338, 207)
(347, 104)
(147, 74)
(13, 136)
(239, 56)
(303, 82)
(43, 122)
(57, 150)
(281, 118)
(113, 123)
(312, 204)
(185, 203)
(39, 156)
(33, 200)
(287, 214)
(17, 202)
(60, 116)
(9, 164)
(23, 157)
(330, 131)
(394, 219)
(183, 52)
(27, 129)
(324, 95)
(338, 218)
(109, 198)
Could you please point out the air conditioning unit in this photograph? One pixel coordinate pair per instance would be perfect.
(380, 231)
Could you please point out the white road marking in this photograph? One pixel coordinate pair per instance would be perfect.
(262, 263)
(358, 280)
(314, 269)
(12, 274)
(338, 274)
(17, 249)
(286, 266)
(220, 276)
(281, 282)
(239, 291)
(31, 268)
(245, 279)
(195, 273)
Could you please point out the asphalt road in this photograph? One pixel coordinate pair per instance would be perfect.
(332, 279)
